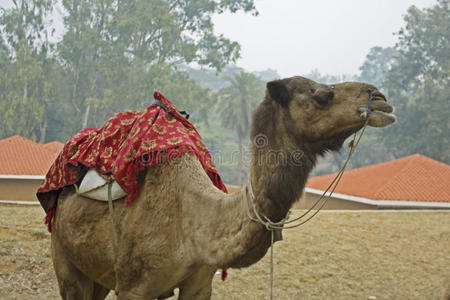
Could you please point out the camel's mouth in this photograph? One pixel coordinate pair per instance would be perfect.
(380, 114)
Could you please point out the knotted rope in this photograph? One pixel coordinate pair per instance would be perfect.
(114, 233)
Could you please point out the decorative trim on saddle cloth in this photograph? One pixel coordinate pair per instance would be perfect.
(128, 143)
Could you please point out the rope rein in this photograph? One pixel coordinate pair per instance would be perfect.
(271, 226)
(114, 234)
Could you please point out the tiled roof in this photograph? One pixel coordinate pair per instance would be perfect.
(20, 156)
(54, 146)
(411, 178)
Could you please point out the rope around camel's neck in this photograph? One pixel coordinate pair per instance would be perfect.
(263, 216)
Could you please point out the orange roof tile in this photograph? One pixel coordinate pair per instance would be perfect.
(411, 178)
(55, 146)
(20, 156)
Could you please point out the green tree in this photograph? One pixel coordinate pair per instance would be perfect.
(25, 88)
(236, 102)
(82, 51)
(424, 46)
(112, 56)
(418, 84)
(377, 64)
(116, 53)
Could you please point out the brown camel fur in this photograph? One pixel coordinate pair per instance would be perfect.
(181, 228)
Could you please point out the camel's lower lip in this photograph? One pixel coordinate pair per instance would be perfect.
(381, 119)
(380, 114)
(384, 114)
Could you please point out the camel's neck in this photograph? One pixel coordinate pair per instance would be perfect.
(278, 173)
(277, 186)
(280, 164)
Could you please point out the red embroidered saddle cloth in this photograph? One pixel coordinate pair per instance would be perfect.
(128, 142)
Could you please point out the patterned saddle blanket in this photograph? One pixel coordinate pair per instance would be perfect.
(128, 142)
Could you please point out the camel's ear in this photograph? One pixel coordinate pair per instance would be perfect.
(279, 92)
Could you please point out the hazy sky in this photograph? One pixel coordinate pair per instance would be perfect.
(295, 36)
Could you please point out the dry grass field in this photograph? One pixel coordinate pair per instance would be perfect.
(337, 255)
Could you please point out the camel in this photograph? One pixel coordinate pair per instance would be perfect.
(181, 228)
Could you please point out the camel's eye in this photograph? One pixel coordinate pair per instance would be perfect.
(323, 101)
(323, 97)
(323, 94)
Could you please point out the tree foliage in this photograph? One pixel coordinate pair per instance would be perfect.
(378, 63)
(112, 55)
(236, 102)
(418, 84)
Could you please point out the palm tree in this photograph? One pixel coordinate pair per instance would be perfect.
(235, 104)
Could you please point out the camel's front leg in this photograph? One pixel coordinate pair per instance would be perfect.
(198, 286)
(73, 284)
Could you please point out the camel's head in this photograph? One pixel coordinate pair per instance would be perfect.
(321, 112)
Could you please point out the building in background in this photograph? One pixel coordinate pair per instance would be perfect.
(23, 165)
(414, 181)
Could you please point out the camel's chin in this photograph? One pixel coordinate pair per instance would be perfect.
(381, 119)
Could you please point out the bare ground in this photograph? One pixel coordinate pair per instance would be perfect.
(337, 255)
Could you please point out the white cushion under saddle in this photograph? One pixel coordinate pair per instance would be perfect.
(93, 186)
